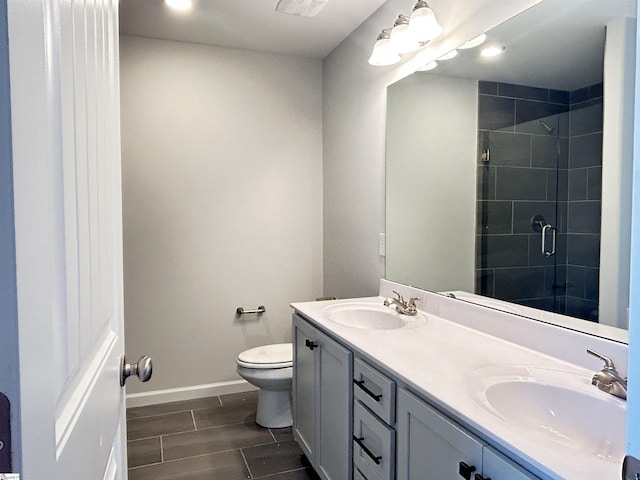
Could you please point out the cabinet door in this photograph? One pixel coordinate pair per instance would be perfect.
(498, 467)
(303, 387)
(322, 370)
(334, 363)
(430, 446)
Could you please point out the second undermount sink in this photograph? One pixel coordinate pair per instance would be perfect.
(371, 316)
(553, 405)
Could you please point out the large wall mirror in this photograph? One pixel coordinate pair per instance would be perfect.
(508, 179)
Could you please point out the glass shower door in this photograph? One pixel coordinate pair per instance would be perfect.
(538, 206)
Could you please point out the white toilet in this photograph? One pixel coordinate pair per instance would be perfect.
(270, 369)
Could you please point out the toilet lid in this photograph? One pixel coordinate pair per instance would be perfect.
(279, 355)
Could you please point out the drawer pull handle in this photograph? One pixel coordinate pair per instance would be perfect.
(311, 345)
(481, 477)
(465, 470)
(359, 441)
(360, 383)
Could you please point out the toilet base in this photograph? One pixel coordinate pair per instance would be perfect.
(274, 409)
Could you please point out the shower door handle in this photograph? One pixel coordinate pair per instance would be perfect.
(545, 252)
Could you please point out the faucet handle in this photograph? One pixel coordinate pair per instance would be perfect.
(399, 296)
(608, 363)
(412, 301)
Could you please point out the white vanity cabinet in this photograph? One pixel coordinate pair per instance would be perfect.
(432, 446)
(322, 392)
(356, 420)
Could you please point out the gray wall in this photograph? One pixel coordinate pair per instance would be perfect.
(222, 194)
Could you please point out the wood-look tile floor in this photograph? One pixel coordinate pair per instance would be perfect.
(213, 438)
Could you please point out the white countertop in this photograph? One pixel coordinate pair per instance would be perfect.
(438, 361)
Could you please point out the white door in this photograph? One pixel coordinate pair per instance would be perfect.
(67, 201)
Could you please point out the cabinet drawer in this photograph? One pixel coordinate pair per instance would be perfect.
(373, 445)
(374, 390)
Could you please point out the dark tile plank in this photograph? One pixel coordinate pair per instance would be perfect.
(172, 407)
(213, 440)
(282, 434)
(144, 452)
(225, 415)
(145, 427)
(274, 458)
(220, 466)
(305, 474)
(239, 398)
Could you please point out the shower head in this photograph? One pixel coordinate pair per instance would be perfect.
(547, 127)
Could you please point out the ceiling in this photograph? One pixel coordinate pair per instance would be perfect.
(248, 24)
(555, 44)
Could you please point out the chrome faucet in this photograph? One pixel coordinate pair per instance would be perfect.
(403, 307)
(608, 379)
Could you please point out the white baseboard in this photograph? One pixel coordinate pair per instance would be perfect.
(187, 393)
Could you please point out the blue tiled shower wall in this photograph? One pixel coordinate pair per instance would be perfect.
(545, 158)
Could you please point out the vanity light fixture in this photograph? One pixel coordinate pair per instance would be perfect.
(179, 4)
(474, 42)
(383, 54)
(407, 35)
(428, 66)
(449, 55)
(492, 51)
(423, 22)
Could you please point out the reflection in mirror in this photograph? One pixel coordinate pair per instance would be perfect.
(508, 177)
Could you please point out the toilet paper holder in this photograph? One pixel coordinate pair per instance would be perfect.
(242, 311)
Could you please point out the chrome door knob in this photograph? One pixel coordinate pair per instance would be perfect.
(142, 369)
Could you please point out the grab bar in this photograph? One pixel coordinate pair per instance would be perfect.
(242, 311)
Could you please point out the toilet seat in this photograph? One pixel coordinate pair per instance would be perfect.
(279, 355)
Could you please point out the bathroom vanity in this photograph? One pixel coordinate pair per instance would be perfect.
(456, 391)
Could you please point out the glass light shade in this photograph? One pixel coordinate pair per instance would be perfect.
(428, 66)
(383, 54)
(474, 42)
(449, 55)
(402, 39)
(179, 4)
(424, 25)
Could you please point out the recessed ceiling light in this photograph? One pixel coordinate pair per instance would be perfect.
(179, 4)
(449, 55)
(492, 51)
(303, 8)
(474, 42)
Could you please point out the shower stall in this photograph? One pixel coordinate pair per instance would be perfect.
(539, 197)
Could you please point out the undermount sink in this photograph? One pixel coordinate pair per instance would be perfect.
(370, 316)
(553, 405)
